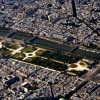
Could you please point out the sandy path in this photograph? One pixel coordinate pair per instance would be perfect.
(17, 50)
(1, 44)
(33, 54)
(79, 67)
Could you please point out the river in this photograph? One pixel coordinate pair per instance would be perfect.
(50, 44)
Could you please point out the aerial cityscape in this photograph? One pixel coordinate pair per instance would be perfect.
(49, 49)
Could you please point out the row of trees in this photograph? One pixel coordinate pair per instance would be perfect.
(48, 63)
(68, 58)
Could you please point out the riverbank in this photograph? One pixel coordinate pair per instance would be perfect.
(54, 45)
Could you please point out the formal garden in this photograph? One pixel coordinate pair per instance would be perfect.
(53, 59)
(19, 56)
(29, 49)
(11, 45)
(5, 51)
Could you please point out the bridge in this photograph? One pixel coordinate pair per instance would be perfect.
(11, 32)
(31, 39)
(73, 49)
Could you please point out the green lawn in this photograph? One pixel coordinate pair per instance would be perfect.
(11, 46)
(5, 51)
(29, 49)
(40, 52)
(30, 54)
(19, 56)
(29, 59)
